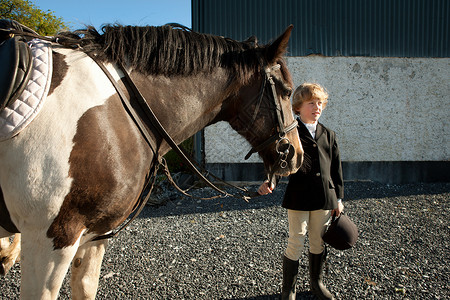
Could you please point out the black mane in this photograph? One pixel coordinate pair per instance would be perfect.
(169, 51)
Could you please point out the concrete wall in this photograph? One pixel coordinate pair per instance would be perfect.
(388, 113)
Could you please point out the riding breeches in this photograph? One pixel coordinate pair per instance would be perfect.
(300, 222)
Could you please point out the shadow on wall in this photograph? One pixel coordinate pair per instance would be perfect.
(392, 172)
(398, 172)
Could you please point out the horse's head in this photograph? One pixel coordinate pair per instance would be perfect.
(262, 111)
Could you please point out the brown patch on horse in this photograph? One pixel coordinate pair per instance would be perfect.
(60, 69)
(108, 164)
(5, 218)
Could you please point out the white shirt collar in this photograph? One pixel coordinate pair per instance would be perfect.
(311, 128)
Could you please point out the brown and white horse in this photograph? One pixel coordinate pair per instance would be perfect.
(77, 170)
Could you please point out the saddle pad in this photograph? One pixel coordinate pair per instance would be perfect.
(15, 117)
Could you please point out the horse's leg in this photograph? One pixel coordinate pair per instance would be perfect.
(86, 267)
(9, 253)
(43, 268)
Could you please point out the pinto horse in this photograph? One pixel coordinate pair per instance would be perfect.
(77, 170)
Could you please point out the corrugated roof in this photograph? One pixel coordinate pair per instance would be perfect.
(390, 28)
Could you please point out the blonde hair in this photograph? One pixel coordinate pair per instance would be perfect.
(306, 92)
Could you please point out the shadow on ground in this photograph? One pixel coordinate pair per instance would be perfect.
(177, 204)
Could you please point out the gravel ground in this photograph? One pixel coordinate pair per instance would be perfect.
(230, 249)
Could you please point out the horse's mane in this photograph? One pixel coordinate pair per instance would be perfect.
(169, 51)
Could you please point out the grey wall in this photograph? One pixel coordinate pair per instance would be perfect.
(391, 116)
(385, 65)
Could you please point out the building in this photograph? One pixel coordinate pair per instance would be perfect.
(385, 64)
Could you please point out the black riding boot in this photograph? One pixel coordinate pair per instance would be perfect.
(290, 271)
(316, 262)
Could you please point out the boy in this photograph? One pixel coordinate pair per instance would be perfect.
(313, 194)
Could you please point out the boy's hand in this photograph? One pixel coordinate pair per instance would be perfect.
(265, 189)
(338, 210)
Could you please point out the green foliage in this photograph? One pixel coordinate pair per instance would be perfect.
(26, 13)
(174, 161)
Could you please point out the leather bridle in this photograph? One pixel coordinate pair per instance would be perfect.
(279, 136)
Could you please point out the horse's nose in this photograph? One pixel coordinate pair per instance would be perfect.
(284, 146)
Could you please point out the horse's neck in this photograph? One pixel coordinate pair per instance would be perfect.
(184, 105)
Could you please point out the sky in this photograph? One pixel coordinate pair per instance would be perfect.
(78, 13)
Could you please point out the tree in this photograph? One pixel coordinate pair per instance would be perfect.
(26, 13)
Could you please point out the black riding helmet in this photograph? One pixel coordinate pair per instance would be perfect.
(342, 233)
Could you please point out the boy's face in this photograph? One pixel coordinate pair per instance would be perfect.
(310, 111)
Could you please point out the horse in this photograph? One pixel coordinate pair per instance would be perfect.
(75, 173)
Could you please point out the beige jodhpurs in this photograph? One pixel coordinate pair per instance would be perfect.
(315, 222)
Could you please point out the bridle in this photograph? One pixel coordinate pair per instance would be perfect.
(279, 137)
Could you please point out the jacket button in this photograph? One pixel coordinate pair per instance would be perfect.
(314, 145)
(317, 174)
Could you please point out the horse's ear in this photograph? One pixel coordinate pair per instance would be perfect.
(278, 48)
(252, 40)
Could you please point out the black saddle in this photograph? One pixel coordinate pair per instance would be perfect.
(15, 61)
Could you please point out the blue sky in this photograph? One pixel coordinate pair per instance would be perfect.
(79, 13)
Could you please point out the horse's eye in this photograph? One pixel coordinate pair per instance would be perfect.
(289, 92)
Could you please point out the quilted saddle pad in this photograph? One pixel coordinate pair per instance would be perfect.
(15, 117)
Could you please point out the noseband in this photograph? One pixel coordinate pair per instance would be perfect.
(279, 136)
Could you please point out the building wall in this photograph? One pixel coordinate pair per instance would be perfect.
(385, 65)
(389, 114)
(381, 28)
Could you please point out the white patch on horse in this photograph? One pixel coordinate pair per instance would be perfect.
(35, 165)
(43, 273)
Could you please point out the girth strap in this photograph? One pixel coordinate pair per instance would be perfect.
(140, 204)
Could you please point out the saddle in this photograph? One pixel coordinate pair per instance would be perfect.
(15, 61)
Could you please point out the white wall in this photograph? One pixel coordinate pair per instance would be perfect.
(382, 109)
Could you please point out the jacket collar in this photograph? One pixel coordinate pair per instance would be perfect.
(305, 131)
(319, 131)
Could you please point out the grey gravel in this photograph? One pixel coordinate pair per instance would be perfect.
(231, 249)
